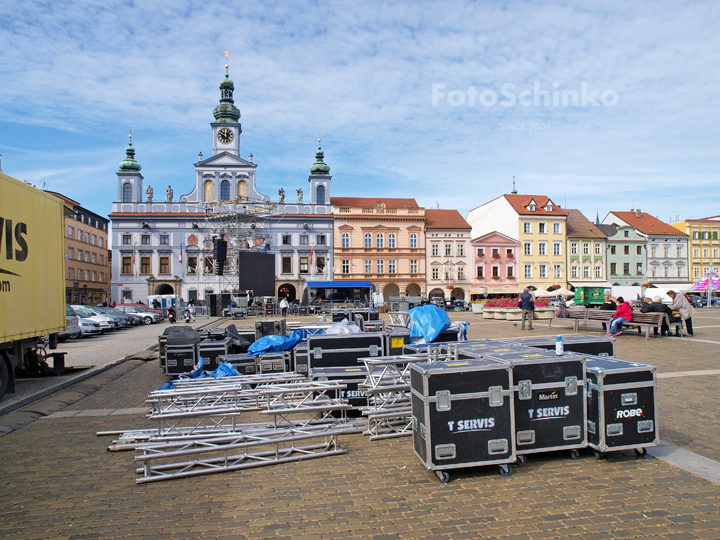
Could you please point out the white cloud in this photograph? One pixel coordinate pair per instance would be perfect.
(362, 75)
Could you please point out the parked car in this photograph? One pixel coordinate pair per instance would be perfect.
(462, 304)
(106, 323)
(72, 324)
(88, 327)
(143, 307)
(555, 302)
(122, 320)
(148, 317)
(128, 320)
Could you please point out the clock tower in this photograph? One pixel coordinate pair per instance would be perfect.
(226, 128)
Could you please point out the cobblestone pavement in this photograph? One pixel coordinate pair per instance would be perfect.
(58, 481)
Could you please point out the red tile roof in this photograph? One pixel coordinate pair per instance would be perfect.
(445, 219)
(369, 202)
(521, 202)
(578, 226)
(647, 224)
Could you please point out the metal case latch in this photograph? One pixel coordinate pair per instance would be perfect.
(591, 427)
(571, 432)
(373, 350)
(525, 389)
(317, 352)
(443, 400)
(526, 437)
(497, 446)
(628, 399)
(496, 397)
(445, 451)
(645, 426)
(571, 386)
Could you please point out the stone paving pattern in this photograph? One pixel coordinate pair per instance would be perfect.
(58, 481)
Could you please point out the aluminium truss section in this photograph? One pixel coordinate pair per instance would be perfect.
(179, 459)
(248, 380)
(387, 386)
(313, 401)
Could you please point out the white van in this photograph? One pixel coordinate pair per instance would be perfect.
(72, 329)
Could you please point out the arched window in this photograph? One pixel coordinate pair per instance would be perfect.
(225, 190)
(345, 240)
(368, 240)
(127, 192)
(379, 240)
(413, 241)
(208, 191)
(391, 240)
(320, 198)
(242, 190)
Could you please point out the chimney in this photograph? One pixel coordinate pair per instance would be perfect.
(638, 213)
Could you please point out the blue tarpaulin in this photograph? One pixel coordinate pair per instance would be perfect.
(427, 322)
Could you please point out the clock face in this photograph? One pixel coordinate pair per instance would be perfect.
(225, 135)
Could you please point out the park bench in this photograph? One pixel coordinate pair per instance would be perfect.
(652, 320)
(575, 315)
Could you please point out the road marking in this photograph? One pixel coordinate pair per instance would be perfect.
(687, 461)
(673, 374)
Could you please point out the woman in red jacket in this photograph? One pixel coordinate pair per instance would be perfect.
(622, 315)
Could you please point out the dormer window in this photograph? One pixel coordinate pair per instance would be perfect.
(549, 207)
(531, 207)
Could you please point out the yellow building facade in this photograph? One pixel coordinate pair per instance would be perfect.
(704, 245)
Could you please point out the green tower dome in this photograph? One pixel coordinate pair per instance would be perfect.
(319, 168)
(226, 112)
(129, 164)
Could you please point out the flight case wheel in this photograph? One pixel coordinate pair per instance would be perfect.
(641, 451)
(505, 470)
(598, 454)
(573, 454)
(521, 460)
(443, 476)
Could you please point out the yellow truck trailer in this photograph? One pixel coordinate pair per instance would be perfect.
(32, 274)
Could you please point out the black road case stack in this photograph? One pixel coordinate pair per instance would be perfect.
(462, 415)
(337, 350)
(276, 362)
(621, 405)
(209, 349)
(549, 400)
(181, 349)
(595, 345)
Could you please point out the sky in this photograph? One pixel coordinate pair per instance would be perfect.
(602, 106)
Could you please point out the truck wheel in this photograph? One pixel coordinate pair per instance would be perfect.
(4, 376)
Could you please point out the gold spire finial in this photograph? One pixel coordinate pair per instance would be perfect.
(226, 54)
(131, 130)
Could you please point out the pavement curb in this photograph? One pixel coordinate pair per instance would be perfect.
(62, 396)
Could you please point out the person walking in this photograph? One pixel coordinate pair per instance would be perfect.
(284, 306)
(622, 315)
(191, 310)
(527, 304)
(681, 305)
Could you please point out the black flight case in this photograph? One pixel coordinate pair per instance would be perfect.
(210, 349)
(352, 377)
(550, 411)
(337, 350)
(621, 405)
(181, 350)
(462, 415)
(595, 345)
(243, 364)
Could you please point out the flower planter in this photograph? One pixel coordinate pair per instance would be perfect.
(544, 313)
(501, 314)
(477, 307)
(514, 314)
(488, 313)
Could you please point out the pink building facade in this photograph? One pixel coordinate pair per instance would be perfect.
(496, 265)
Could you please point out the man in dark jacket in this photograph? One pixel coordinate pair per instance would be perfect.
(527, 304)
(656, 306)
